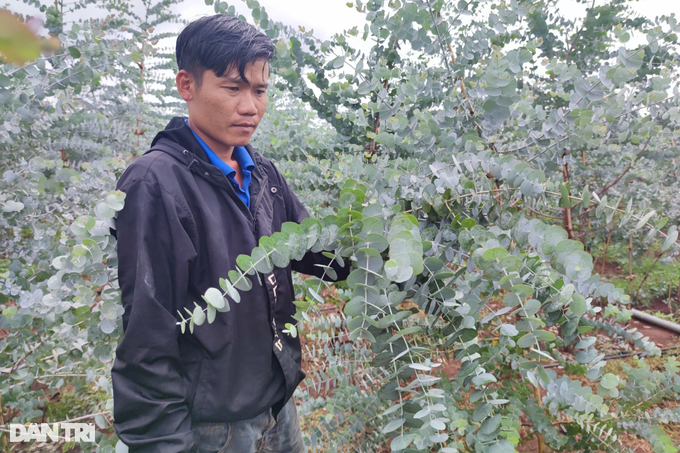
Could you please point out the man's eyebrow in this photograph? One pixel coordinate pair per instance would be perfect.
(239, 80)
(232, 79)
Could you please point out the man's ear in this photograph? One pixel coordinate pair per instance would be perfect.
(186, 85)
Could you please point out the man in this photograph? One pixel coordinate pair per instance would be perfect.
(196, 200)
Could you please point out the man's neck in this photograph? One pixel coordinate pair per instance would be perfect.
(226, 153)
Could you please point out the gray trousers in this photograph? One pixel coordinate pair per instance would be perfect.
(262, 434)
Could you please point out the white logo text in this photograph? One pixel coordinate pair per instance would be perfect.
(78, 432)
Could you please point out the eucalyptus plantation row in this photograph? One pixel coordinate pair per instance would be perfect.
(472, 160)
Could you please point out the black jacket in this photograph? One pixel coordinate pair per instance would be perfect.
(181, 229)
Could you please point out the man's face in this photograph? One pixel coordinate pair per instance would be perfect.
(226, 110)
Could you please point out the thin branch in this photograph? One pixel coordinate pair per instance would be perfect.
(568, 225)
(647, 274)
(545, 215)
(14, 367)
(626, 170)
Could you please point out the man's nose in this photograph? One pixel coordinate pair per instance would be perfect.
(246, 105)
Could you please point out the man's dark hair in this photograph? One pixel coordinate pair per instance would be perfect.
(221, 43)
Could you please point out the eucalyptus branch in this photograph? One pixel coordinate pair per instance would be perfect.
(607, 187)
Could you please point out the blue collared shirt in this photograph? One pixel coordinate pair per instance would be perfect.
(244, 161)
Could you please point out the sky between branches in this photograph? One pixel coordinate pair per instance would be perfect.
(328, 17)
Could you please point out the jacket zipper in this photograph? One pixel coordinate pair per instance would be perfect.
(257, 202)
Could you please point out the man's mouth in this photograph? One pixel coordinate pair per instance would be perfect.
(245, 126)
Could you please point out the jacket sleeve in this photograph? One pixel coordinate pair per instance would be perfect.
(307, 265)
(154, 253)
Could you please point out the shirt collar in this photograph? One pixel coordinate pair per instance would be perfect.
(240, 154)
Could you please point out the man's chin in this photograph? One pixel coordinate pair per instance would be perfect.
(242, 143)
(239, 140)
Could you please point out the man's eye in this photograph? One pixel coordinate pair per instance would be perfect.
(232, 88)
(260, 91)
